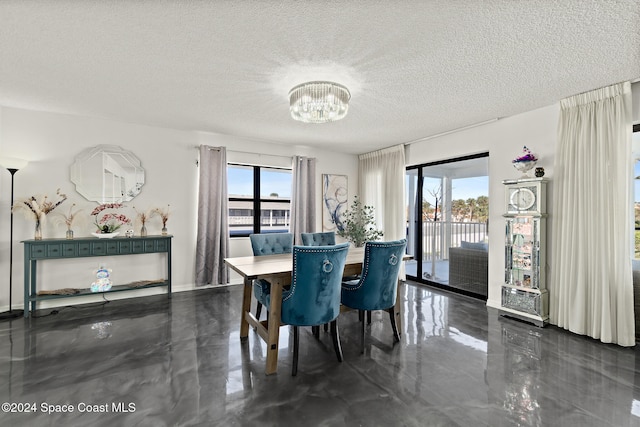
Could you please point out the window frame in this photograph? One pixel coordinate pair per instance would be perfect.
(636, 229)
(417, 237)
(256, 199)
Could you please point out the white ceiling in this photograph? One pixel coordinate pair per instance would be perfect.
(414, 68)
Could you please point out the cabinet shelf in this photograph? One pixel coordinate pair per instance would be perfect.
(523, 270)
(87, 291)
(523, 288)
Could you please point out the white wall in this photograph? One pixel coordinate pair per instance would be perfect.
(503, 140)
(50, 141)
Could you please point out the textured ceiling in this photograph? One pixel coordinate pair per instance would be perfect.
(414, 68)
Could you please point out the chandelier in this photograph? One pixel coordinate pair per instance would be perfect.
(319, 102)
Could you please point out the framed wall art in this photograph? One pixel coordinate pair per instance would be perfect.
(335, 196)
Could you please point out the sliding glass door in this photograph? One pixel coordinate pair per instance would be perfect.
(448, 211)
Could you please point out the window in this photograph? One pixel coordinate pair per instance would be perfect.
(259, 199)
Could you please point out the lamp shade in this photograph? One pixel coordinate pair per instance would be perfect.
(12, 163)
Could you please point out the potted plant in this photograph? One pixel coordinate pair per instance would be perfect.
(359, 224)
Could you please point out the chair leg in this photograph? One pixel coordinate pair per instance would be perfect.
(368, 317)
(392, 316)
(258, 310)
(335, 336)
(326, 327)
(363, 326)
(361, 315)
(294, 368)
(316, 331)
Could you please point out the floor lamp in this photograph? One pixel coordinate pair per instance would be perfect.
(12, 165)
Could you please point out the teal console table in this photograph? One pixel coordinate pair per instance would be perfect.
(49, 249)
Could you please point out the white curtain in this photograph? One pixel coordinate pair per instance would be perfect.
(303, 197)
(591, 289)
(381, 182)
(212, 245)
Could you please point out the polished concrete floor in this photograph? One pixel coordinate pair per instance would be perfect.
(179, 362)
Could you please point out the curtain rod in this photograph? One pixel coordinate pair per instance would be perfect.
(426, 138)
(197, 147)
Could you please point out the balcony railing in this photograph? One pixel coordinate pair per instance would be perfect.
(438, 237)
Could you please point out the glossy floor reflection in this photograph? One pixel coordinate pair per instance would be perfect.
(156, 362)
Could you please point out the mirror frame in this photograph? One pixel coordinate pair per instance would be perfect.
(107, 174)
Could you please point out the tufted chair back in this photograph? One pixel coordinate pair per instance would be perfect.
(271, 243)
(314, 296)
(378, 285)
(268, 244)
(319, 239)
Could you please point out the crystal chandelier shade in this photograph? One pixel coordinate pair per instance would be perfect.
(319, 102)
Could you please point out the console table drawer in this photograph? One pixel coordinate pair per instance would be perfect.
(150, 246)
(125, 247)
(69, 250)
(84, 249)
(112, 248)
(162, 245)
(38, 251)
(98, 248)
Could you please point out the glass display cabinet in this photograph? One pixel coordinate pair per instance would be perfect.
(524, 294)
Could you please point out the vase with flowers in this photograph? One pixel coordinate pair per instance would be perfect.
(37, 207)
(525, 162)
(108, 223)
(68, 219)
(142, 218)
(164, 217)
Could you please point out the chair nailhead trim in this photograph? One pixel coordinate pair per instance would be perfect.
(367, 256)
(295, 273)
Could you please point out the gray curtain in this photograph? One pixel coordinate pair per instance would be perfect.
(303, 197)
(212, 245)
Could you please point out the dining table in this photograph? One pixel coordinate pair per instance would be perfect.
(277, 270)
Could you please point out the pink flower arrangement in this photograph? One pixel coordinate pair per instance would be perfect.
(109, 222)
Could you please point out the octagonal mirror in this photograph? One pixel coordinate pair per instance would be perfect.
(107, 174)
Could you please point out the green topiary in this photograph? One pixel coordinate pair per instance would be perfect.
(359, 224)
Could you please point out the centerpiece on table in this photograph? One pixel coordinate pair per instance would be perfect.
(108, 223)
(37, 207)
(525, 162)
(359, 224)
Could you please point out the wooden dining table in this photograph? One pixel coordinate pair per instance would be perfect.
(277, 270)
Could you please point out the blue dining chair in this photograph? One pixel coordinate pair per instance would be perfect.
(314, 296)
(319, 239)
(378, 285)
(268, 244)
